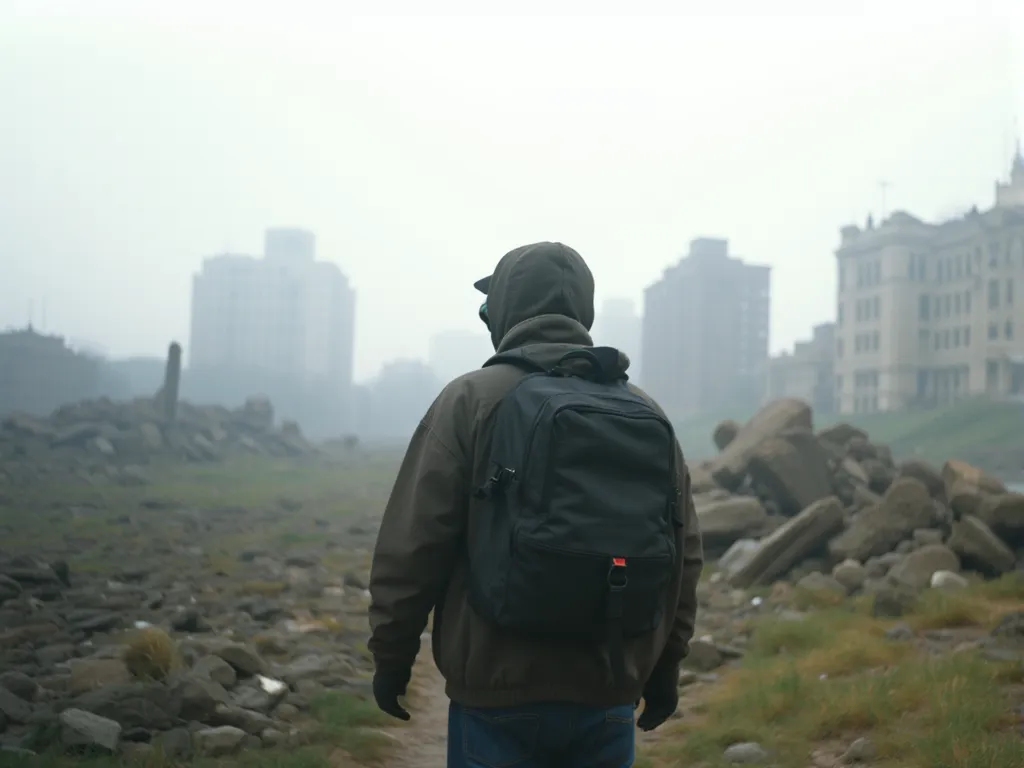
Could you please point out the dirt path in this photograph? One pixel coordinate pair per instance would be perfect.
(422, 743)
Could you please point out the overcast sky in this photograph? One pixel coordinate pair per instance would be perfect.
(138, 137)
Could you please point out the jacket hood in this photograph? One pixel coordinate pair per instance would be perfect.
(539, 279)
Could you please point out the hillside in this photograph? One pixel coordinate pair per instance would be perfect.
(989, 434)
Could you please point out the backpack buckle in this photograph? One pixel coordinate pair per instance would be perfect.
(617, 578)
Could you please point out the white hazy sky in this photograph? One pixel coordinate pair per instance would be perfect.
(137, 137)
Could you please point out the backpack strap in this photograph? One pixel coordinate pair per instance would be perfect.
(617, 581)
(603, 363)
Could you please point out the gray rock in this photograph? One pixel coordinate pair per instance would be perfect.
(218, 742)
(703, 656)
(791, 543)
(979, 548)
(246, 719)
(20, 684)
(917, 567)
(79, 728)
(906, 506)
(14, 708)
(850, 574)
(745, 753)
(862, 750)
(243, 658)
(216, 669)
(198, 697)
(819, 582)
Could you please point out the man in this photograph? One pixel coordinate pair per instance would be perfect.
(516, 700)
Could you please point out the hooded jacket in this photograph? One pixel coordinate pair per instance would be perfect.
(541, 300)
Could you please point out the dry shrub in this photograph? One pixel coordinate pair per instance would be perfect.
(151, 654)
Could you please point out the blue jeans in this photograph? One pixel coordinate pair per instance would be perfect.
(547, 735)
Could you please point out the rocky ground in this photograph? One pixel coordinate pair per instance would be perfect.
(860, 611)
(99, 441)
(212, 613)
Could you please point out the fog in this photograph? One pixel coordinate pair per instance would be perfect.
(139, 139)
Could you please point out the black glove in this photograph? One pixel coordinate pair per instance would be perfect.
(388, 685)
(661, 697)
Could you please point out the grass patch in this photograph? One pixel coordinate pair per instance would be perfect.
(832, 676)
(348, 722)
(981, 605)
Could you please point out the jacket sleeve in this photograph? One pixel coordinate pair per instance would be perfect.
(678, 645)
(417, 545)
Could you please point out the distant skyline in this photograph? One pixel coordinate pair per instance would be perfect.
(144, 138)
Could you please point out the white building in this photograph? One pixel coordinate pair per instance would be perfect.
(930, 313)
(285, 314)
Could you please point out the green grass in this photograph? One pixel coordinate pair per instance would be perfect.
(833, 676)
(255, 503)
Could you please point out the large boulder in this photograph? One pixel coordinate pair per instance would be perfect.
(723, 522)
(925, 473)
(1005, 516)
(725, 433)
(906, 505)
(979, 549)
(954, 471)
(730, 466)
(793, 469)
(800, 537)
(916, 569)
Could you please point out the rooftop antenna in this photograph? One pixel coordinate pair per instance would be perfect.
(31, 308)
(884, 186)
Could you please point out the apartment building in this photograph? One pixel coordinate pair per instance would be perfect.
(284, 315)
(808, 372)
(704, 338)
(618, 325)
(929, 313)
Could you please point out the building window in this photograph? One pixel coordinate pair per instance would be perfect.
(924, 306)
(956, 337)
(876, 273)
(876, 307)
(945, 339)
(874, 340)
(923, 338)
(967, 337)
(839, 348)
(956, 303)
(967, 302)
(1009, 292)
(993, 331)
(1009, 329)
(839, 314)
(947, 305)
(960, 265)
(993, 294)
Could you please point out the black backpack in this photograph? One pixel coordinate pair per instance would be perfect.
(579, 541)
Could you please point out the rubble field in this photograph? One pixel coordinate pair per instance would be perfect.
(854, 610)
